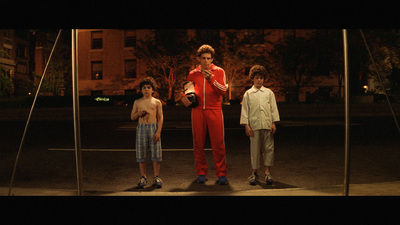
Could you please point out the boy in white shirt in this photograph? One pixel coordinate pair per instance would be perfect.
(259, 114)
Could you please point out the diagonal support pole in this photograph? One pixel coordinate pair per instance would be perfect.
(381, 81)
(30, 114)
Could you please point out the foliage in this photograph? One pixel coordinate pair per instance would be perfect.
(385, 50)
(167, 56)
(293, 64)
(296, 62)
(394, 79)
(5, 83)
(330, 54)
(22, 86)
(52, 83)
(58, 74)
(236, 56)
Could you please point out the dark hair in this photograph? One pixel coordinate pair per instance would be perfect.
(149, 81)
(258, 70)
(205, 49)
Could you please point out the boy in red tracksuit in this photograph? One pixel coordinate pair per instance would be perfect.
(210, 84)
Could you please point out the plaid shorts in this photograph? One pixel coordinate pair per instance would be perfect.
(145, 143)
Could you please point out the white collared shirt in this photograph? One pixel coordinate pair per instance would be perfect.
(259, 108)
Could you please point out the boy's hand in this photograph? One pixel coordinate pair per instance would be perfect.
(249, 131)
(273, 128)
(143, 113)
(186, 101)
(157, 137)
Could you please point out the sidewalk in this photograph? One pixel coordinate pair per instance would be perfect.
(373, 189)
(314, 146)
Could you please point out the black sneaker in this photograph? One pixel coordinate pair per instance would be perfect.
(222, 180)
(201, 179)
(142, 182)
(253, 178)
(268, 179)
(157, 182)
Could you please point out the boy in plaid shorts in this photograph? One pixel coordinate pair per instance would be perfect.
(148, 131)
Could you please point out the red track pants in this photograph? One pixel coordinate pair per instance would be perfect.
(214, 120)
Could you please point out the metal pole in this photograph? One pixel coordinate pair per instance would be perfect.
(30, 113)
(347, 117)
(77, 127)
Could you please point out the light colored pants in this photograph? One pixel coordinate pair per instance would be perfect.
(262, 142)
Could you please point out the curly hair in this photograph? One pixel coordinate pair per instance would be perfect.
(206, 49)
(258, 70)
(149, 81)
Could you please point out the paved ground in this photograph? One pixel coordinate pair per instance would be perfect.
(309, 159)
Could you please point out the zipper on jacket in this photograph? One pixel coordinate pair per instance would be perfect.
(204, 94)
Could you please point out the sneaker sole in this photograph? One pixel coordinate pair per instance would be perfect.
(200, 182)
(222, 183)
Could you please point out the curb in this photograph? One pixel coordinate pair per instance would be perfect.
(372, 189)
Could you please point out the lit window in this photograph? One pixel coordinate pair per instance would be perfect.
(97, 70)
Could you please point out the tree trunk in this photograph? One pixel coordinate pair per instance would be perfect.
(229, 90)
(170, 92)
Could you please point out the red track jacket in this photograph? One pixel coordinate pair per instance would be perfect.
(209, 92)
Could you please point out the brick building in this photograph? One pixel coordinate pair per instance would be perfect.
(15, 56)
(108, 66)
(106, 61)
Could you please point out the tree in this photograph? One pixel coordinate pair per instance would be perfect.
(384, 47)
(168, 55)
(58, 75)
(330, 54)
(236, 56)
(382, 43)
(5, 83)
(292, 63)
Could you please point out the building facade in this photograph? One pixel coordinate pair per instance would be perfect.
(106, 61)
(15, 56)
(107, 64)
